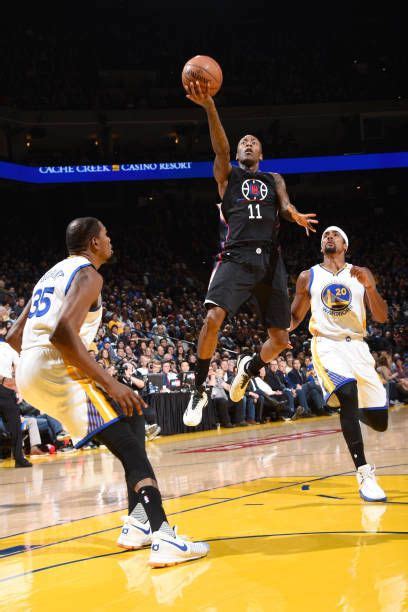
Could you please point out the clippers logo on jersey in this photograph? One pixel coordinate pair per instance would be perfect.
(254, 189)
(336, 299)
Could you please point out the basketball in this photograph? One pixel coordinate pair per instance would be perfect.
(206, 71)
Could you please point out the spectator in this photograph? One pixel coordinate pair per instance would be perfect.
(298, 380)
(278, 385)
(105, 358)
(9, 410)
(18, 307)
(168, 376)
(297, 390)
(187, 377)
(388, 379)
(273, 405)
(143, 365)
(230, 414)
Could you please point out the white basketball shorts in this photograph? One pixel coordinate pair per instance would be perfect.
(337, 362)
(45, 382)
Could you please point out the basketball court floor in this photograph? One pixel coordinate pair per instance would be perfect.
(278, 504)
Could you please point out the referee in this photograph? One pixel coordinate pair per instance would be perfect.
(9, 409)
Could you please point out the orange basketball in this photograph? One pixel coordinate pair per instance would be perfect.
(206, 71)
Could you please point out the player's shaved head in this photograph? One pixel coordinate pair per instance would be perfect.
(80, 232)
(249, 138)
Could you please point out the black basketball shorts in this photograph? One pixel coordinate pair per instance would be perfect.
(251, 272)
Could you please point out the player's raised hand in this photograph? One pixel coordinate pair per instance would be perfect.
(126, 398)
(364, 276)
(306, 220)
(197, 95)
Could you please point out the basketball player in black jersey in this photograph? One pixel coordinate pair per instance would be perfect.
(250, 263)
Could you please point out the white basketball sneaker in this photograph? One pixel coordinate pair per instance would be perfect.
(134, 534)
(171, 550)
(194, 412)
(240, 382)
(369, 488)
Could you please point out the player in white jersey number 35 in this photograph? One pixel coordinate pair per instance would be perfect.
(56, 373)
(338, 294)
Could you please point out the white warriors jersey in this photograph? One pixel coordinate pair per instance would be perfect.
(46, 304)
(337, 304)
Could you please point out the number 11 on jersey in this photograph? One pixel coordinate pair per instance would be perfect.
(251, 211)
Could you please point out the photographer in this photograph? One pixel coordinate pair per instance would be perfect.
(127, 374)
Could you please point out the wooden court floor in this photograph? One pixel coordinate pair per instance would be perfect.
(278, 504)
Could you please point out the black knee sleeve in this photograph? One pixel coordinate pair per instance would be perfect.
(348, 398)
(376, 419)
(129, 447)
(136, 463)
(349, 420)
(140, 472)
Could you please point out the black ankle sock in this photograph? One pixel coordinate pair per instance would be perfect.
(255, 365)
(201, 371)
(151, 501)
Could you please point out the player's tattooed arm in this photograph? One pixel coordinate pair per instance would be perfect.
(288, 211)
(301, 301)
(15, 334)
(219, 140)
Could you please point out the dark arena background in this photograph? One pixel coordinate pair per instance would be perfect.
(94, 122)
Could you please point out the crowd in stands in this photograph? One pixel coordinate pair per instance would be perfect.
(123, 63)
(153, 311)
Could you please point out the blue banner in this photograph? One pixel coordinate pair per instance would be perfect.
(190, 169)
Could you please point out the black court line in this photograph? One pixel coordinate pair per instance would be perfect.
(233, 484)
(251, 537)
(67, 522)
(285, 486)
(72, 539)
(215, 503)
(329, 496)
(219, 497)
(222, 500)
(301, 533)
(288, 485)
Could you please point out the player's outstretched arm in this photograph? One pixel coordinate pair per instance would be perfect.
(219, 140)
(288, 211)
(377, 305)
(15, 333)
(83, 293)
(301, 301)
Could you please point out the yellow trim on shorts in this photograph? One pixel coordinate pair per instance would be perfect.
(320, 369)
(96, 396)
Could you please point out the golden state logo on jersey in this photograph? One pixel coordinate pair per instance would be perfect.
(254, 189)
(336, 299)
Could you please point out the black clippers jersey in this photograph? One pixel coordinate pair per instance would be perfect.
(250, 209)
